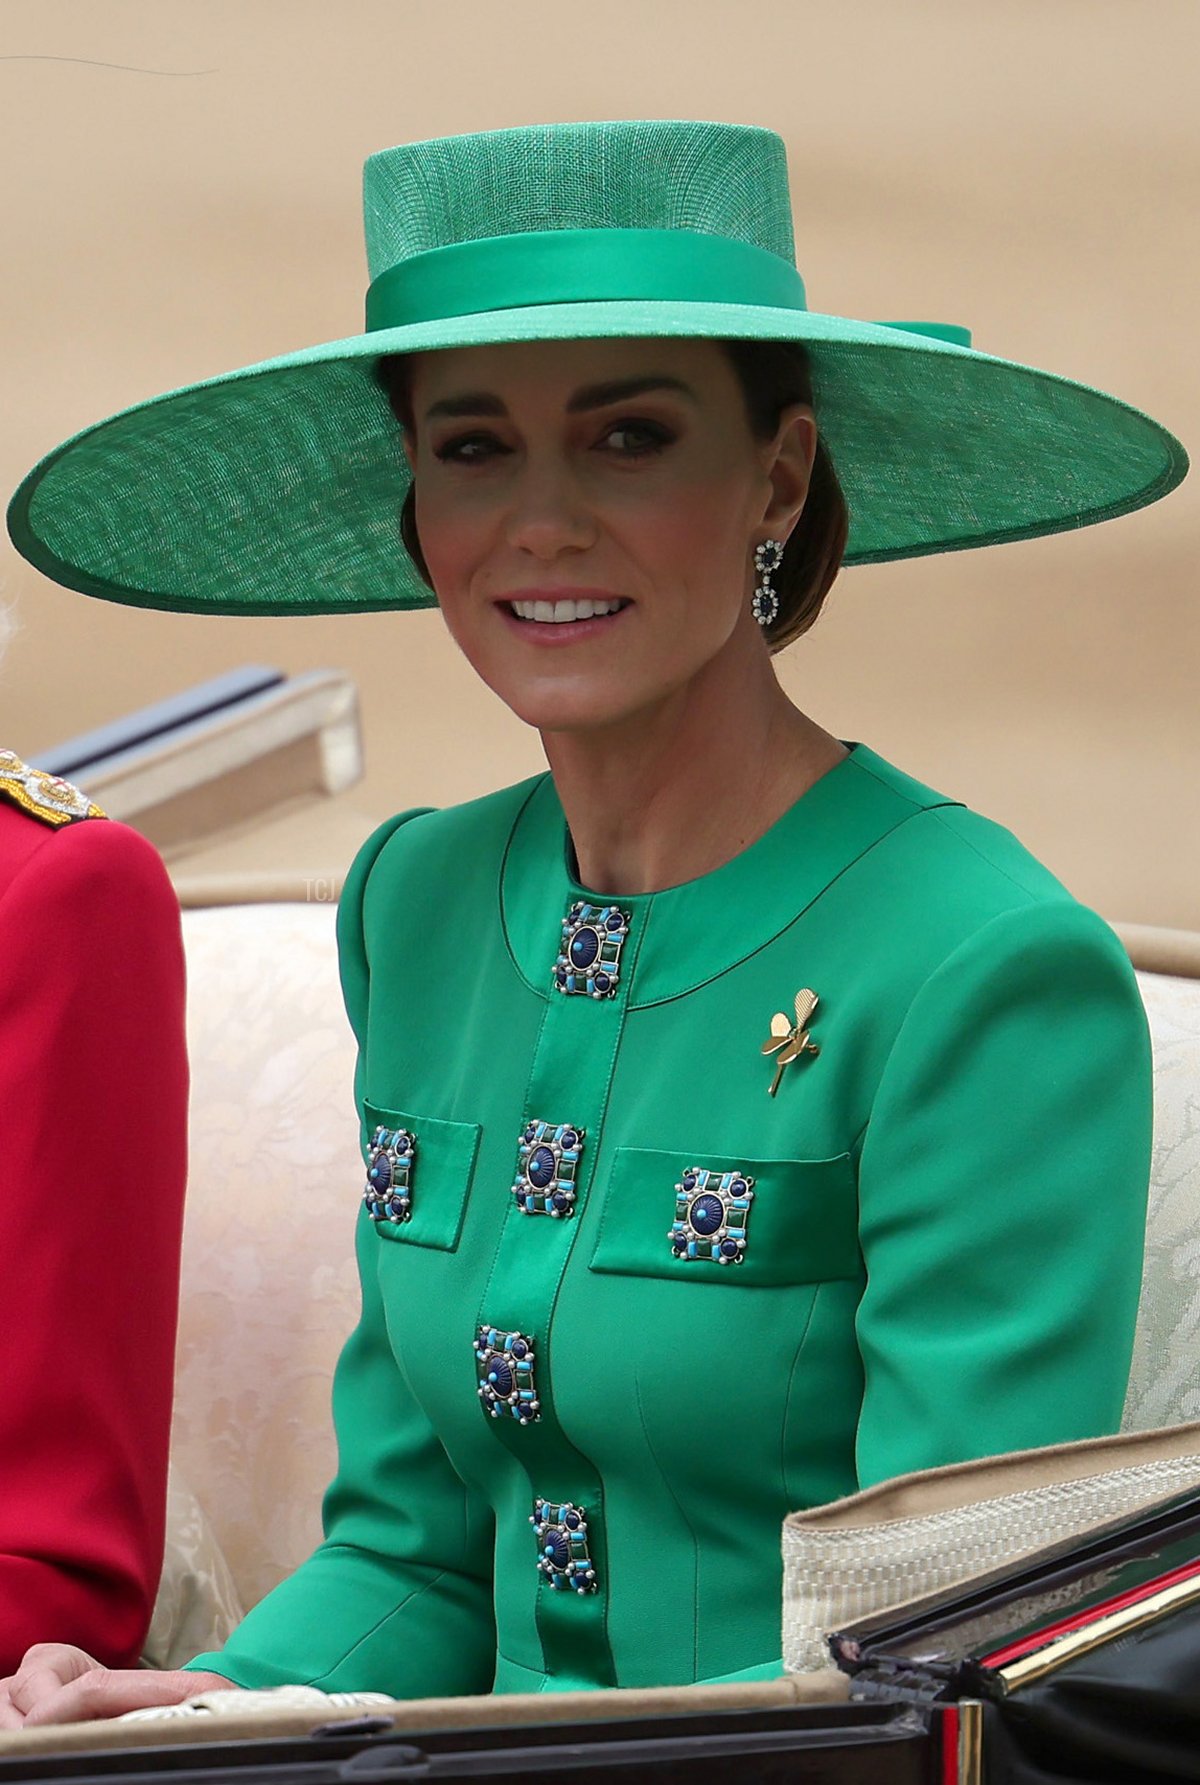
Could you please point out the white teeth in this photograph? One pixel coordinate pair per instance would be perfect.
(559, 613)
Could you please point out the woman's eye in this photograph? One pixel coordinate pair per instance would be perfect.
(468, 449)
(632, 439)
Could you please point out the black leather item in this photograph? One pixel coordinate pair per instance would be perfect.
(1126, 1712)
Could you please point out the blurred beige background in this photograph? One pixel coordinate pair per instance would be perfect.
(182, 196)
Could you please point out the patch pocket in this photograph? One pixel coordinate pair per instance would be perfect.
(773, 1221)
(419, 1171)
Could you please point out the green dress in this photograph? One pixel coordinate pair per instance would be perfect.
(622, 1308)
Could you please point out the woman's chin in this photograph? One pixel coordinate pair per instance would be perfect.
(577, 705)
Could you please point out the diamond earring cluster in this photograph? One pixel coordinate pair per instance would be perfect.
(767, 558)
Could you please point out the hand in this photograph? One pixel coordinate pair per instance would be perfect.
(58, 1684)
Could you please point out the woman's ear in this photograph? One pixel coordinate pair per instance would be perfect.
(789, 468)
(410, 450)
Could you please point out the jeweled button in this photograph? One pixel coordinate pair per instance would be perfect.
(589, 950)
(563, 1560)
(388, 1190)
(548, 1157)
(712, 1210)
(504, 1364)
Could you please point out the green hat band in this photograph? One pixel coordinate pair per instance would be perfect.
(565, 266)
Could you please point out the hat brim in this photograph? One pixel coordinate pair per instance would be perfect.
(277, 488)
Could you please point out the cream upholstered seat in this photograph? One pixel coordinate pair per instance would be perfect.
(1164, 1385)
(269, 1288)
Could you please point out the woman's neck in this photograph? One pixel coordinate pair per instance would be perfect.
(675, 791)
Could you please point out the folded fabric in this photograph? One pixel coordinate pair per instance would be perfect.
(232, 1702)
(197, 1604)
(918, 1533)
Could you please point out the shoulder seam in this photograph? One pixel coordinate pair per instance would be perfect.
(966, 843)
(938, 800)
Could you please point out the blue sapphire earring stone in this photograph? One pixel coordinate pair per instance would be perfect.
(390, 1158)
(712, 1212)
(589, 955)
(547, 1161)
(504, 1366)
(562, 1546)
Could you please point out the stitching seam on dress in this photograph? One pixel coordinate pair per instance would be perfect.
(787, 1404)
(682, 1511)
(380, 1624)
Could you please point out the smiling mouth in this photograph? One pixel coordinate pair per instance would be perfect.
(564, 613)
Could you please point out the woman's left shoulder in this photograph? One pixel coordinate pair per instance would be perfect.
(957, 879)
(975, 851)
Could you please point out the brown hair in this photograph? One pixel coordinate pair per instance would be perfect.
(772, 374)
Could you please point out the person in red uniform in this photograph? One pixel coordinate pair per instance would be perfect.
(93, 1143)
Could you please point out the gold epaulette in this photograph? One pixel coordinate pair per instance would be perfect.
(46, 797)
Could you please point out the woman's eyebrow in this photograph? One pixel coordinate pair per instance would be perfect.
(589, 396)
(619, 390)
(476, 402)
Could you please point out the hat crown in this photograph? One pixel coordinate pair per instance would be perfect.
(719, 179)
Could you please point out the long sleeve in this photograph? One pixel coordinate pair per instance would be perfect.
(93, 1139)
(398, 1596)
(1003, 1182)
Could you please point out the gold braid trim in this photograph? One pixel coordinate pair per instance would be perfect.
(46, 797)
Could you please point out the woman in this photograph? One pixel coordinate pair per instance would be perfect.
(744, 1122)
(93, 1119)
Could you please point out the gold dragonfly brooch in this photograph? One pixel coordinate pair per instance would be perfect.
(791, 1040)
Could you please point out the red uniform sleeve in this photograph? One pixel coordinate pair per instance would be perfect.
(93, 1147)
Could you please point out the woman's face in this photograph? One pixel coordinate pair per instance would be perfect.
(588, 511)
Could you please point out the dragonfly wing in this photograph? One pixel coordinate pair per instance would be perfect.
(806, 1003)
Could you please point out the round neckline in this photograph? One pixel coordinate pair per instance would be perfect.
(632, 901)
(693, 932)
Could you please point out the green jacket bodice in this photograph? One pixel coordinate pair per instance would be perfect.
(940, 1257)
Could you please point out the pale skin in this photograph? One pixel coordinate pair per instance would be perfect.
(613, 470)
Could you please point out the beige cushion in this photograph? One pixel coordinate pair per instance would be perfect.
(269, 1287)
(1164, 1385)
(197, 1604)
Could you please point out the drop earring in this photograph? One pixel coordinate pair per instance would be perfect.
(767, 558)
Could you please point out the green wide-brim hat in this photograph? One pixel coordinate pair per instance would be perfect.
(278, 488)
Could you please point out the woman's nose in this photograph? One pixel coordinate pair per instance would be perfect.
(547, 515)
